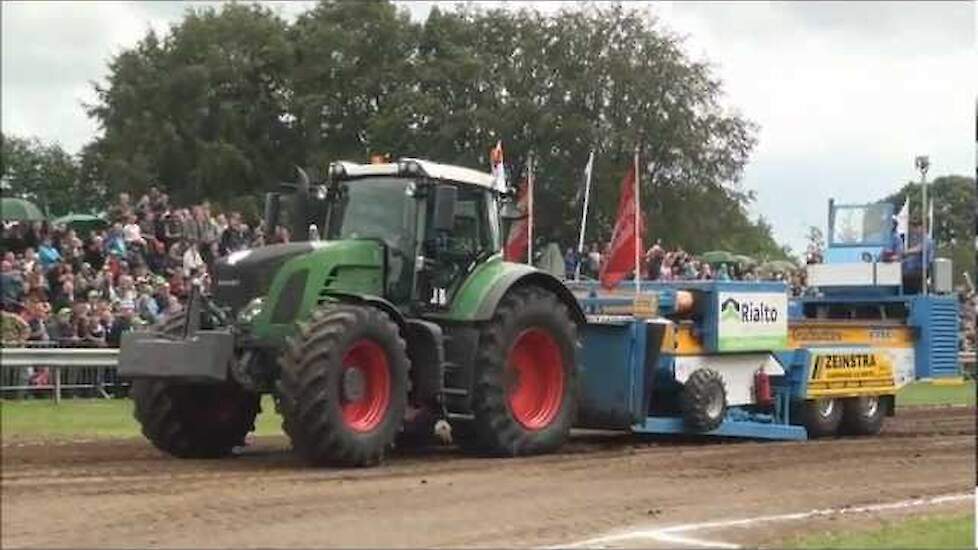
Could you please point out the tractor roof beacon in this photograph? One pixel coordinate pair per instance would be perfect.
(390, 311)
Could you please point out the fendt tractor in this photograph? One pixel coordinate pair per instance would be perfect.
(404, 320)
(403, 314)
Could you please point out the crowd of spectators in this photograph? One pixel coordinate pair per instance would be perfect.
(63, 287)
(662, 264)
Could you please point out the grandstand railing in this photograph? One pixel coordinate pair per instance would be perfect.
(92, 370)
(72, 368)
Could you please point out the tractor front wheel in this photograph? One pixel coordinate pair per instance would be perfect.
(344, 386)
(194, 420)
(525, 391)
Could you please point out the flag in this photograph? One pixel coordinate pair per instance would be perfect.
(625, 239)
(517, 243)
(903, 218)
(497, 166)
(930, 220)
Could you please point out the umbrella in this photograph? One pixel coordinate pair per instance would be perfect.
(20, 210)
(718, 257)
(774, 266)
(82, 222)
(744, 260)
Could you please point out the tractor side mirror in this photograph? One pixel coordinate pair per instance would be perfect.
(446, 197)
(272, 206)
(509, 214)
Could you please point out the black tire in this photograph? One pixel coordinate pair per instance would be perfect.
(531, 318)
(315, 378)
(703, 400)
(862, 415)
(193, 420)
(821, 417)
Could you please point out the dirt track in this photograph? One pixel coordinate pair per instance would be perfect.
(125, 494)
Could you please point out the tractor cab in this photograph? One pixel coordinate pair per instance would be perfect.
(431, 223)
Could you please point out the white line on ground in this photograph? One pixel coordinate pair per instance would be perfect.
(676, 534)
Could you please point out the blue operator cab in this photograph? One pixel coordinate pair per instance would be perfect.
(858, 232)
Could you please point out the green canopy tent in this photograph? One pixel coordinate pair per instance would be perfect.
(775, 266)
(743, 260)
(82, 223)
(20, 210)
(718, 257)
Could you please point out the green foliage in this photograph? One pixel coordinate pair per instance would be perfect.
(200, 112)
(954, 215)
(45, 175)
(229, 100)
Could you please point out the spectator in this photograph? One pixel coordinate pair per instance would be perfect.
(235, 236)
(11, 285)
(47, 254)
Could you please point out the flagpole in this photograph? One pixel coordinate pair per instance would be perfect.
(529, 204)
(587, 195)
(638, 227)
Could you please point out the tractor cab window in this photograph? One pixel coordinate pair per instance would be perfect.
(473, 233)
(864, 225)
(375, 208)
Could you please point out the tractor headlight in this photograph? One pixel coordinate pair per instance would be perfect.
(250, 311)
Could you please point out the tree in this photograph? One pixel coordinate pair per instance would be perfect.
(44, 174)
(201, 112)
(228, 101)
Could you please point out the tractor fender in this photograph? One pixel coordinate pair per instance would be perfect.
(481, 294)
(375, 301)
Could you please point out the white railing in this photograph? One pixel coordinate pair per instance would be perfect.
(89, 368)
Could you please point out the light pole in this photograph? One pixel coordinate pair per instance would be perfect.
(923, 163)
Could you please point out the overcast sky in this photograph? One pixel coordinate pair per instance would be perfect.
(846, 94)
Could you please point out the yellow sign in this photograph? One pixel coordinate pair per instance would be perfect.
(850, 374)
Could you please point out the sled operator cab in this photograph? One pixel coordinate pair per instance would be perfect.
(866, 255)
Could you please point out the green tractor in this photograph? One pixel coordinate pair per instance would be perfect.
(402, 320)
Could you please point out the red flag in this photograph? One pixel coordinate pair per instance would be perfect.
(517, 243)
(621, 259)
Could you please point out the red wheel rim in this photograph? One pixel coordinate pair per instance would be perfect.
(365, 409)
(536, 389)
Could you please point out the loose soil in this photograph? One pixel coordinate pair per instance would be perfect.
(124, 493)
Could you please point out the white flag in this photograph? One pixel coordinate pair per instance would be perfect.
(930, 220)
(903, 218)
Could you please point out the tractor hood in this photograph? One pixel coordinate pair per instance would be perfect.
(246, 274)
(292, 279)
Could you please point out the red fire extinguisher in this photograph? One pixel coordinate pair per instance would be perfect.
(762, 388)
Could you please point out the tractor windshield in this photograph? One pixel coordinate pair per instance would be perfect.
(374, 208)
(863, 225)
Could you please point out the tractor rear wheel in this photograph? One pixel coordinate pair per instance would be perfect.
(344, 386)
(821, 417)
(525, 391)
(193, 420)
(862, 415)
